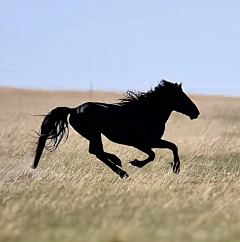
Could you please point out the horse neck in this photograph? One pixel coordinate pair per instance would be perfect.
(159, 112)
(163, 114)
(164, 109)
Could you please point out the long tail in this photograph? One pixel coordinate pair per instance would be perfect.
(53, 128)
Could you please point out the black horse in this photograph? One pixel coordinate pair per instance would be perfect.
(137, 120)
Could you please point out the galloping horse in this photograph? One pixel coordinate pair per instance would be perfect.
(137, 120)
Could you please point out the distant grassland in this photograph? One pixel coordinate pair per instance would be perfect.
(74, 197)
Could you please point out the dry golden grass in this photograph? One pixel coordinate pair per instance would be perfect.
(74, 197)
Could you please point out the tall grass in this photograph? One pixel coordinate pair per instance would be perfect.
(72, 196)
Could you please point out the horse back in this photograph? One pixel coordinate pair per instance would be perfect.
(118, 123)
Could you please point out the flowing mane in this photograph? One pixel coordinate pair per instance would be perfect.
(163, 87)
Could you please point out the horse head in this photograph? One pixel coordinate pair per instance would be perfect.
(183, 104)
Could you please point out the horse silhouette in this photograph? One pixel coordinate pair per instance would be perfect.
(137, 120)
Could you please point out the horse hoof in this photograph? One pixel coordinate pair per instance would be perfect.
(176, 171)
(133, 162)
(124, 175)
(118, 164)
(176, 167)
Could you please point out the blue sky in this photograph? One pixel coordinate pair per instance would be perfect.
(120, 45)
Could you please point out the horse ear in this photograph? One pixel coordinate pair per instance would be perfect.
(180, 85)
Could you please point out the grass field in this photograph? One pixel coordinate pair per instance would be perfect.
(74, 197)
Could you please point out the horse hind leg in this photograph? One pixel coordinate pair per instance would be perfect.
(103, 157)
(114, 159)
(96, 148)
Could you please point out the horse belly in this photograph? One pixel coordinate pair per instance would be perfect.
(133, 134)
(121, 132)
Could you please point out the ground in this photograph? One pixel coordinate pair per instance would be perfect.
(74, 197)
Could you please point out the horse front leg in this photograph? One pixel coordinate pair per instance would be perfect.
(168, 145)
(140, 164)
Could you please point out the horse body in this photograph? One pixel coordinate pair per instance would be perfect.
(138, 121)
(118, 123)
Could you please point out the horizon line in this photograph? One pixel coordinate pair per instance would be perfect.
(104, 90)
